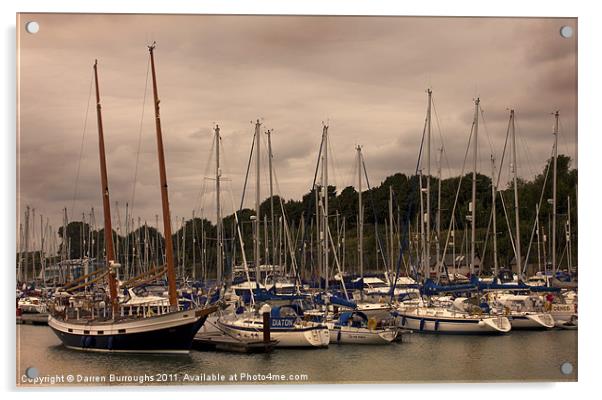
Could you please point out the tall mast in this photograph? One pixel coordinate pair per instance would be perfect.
(127, 242)
(106, 205)
(325, 195)
(438, 243)
(64, 253)
(118, 232)
(422, 247)
(218, 210)
(257, 250)
(171, 272)
(42, 247)
(48, 234)
(318, 230)
(33, 244)
(360, 210)
(26, 275)
(20, 264)
(428, 182)
(193, 247)
(568, 235)
(493, 212)
(554, 192)
(391, 240)
(539, 242)
(270, 156)
(473, 203)
(516, 210)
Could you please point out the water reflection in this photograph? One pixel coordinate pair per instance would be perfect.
(420, 358)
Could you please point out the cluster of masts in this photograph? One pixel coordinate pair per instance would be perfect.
(147, 251)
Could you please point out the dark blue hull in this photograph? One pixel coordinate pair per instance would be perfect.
(176, 339)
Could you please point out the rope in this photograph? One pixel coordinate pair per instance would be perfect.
(288, 239)
(535, 224)
(244, 188)
(440, 136)
(139, 138)
(456, 197)
(486, 130)
(200, 198)
(81, 148)
(371, 196)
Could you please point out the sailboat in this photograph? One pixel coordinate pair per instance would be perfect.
(356, 328)
(382, 309)
(96, 327)
(525, 311)
(457, 317)
(446, 320)
(286, 324)
(287, 327)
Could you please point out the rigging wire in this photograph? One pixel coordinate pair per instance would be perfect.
(453, 212)
(524, 148)
(491, 147)
(535, 223)
(244, 188)
(81, 148)
(371, 197)
(135, 178)
(200, 199)
(441, 136)
(565, 142)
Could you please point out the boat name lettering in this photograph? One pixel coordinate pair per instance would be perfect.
(282, 322)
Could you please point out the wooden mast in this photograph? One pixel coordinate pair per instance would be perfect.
(171, 272)
(554, 184)
(108, 229)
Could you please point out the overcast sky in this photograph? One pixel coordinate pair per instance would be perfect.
(365, 76)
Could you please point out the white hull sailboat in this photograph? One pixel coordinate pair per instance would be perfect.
(356, 328)
(295, 334)
(350, 335)
(442, 320)
(524, 312)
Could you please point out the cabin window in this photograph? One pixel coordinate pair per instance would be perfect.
(100, 332)
(86, 332)
(70, 330)
(121, 331)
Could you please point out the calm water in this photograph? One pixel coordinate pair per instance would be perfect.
(534, 356)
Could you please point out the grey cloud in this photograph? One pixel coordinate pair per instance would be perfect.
(365, 76)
